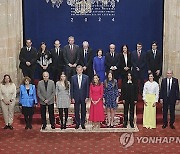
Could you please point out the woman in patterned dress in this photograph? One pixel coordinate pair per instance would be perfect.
(63, 98)
(111, 97)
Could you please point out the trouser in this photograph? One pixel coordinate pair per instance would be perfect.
(61, 115)
(128, 106)
(51, 114)
(77, 106)
(70, 71)
(56, 72)
(28, 114)
(29, 71)
(8, 112)
(168, 105)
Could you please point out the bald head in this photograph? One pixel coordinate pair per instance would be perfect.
(112, 47)
(45, 76)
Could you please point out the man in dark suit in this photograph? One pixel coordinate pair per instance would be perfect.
(154, 61)
(28, 57)
(112, 61)
(85, 59)
(46, 93)
(138, 60)
(57, 61)
(71, 57)
(80, 95)
(169, 97)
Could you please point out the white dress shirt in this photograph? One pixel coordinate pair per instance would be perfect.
(125, 58)
(79, 80)
(151, 88)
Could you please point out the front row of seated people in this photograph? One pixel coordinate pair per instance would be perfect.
(79, 91)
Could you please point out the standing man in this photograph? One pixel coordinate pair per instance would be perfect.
(169, 97)
(79, 95)
(112, 61)
(46, 93)
(57, 61)
(85, 59)
(71, 57)
(154, 62)
(28, 57)
(138, 60)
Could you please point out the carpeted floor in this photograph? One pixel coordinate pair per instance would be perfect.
(33, 141)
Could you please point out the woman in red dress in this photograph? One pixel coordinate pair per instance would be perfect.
(96, 114)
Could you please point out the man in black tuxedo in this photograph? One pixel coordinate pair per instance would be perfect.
(85, 59)
(71, 57)
(28, 57)
(80, 95)
(154, 61)
(112, 61)
(138, 60)
(57, 61)
(169, 97)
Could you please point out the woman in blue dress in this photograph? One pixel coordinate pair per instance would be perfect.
(111, 97)
(99, 65)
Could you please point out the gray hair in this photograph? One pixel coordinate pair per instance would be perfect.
(85, 43)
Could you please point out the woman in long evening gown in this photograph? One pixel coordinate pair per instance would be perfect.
(96, 96)
(99, 65)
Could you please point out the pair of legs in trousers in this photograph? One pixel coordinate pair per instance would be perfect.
(8, 113)
(28, 113)
(83, 113)
(129, 106)
(29, 71)
(51, 115)
(63, 126)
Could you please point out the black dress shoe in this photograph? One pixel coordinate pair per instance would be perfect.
(10, 127)
(164, 126)
(132, 125)
(83, 127)
(26, 127)
(53, 127)
(30, 126)
(61, 126)
(6, 127)
(172, 127)
(77, 126)
(43, 127)
(64, 126)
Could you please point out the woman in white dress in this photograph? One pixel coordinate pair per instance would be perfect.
(63, 98)
(150, 97)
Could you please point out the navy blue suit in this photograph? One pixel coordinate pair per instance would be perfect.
(141, 64)
(169, 101)
(79, 95)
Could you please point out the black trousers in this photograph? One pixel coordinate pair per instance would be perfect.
(61, 115)
(169, 105)
(29, 71)
(51, 114)
(56, 72)
(28, 114)
(70, 71)
(80, 104)
(128, 106)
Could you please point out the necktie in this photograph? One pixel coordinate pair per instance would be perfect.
(28, 49)
(154, 53)
(85, 56)
(139, 54)
(169, 87)
(79, 81)
(57, 51)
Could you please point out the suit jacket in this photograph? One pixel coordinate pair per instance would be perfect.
(111, 61)
(126, 94)
(25, 99)
(86, 62)
(68, 57)
(46, 95)
(122, 63)
(25, 56)
(79, 93)
(154, 64)
(57, 60)
(140, 63)
(174, 92)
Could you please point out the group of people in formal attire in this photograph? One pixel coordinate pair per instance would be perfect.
(77, 77)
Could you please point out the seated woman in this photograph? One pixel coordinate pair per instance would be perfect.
(150, 97)
(129, 97)
(27, 100)
(8, 98)
(96, 114)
